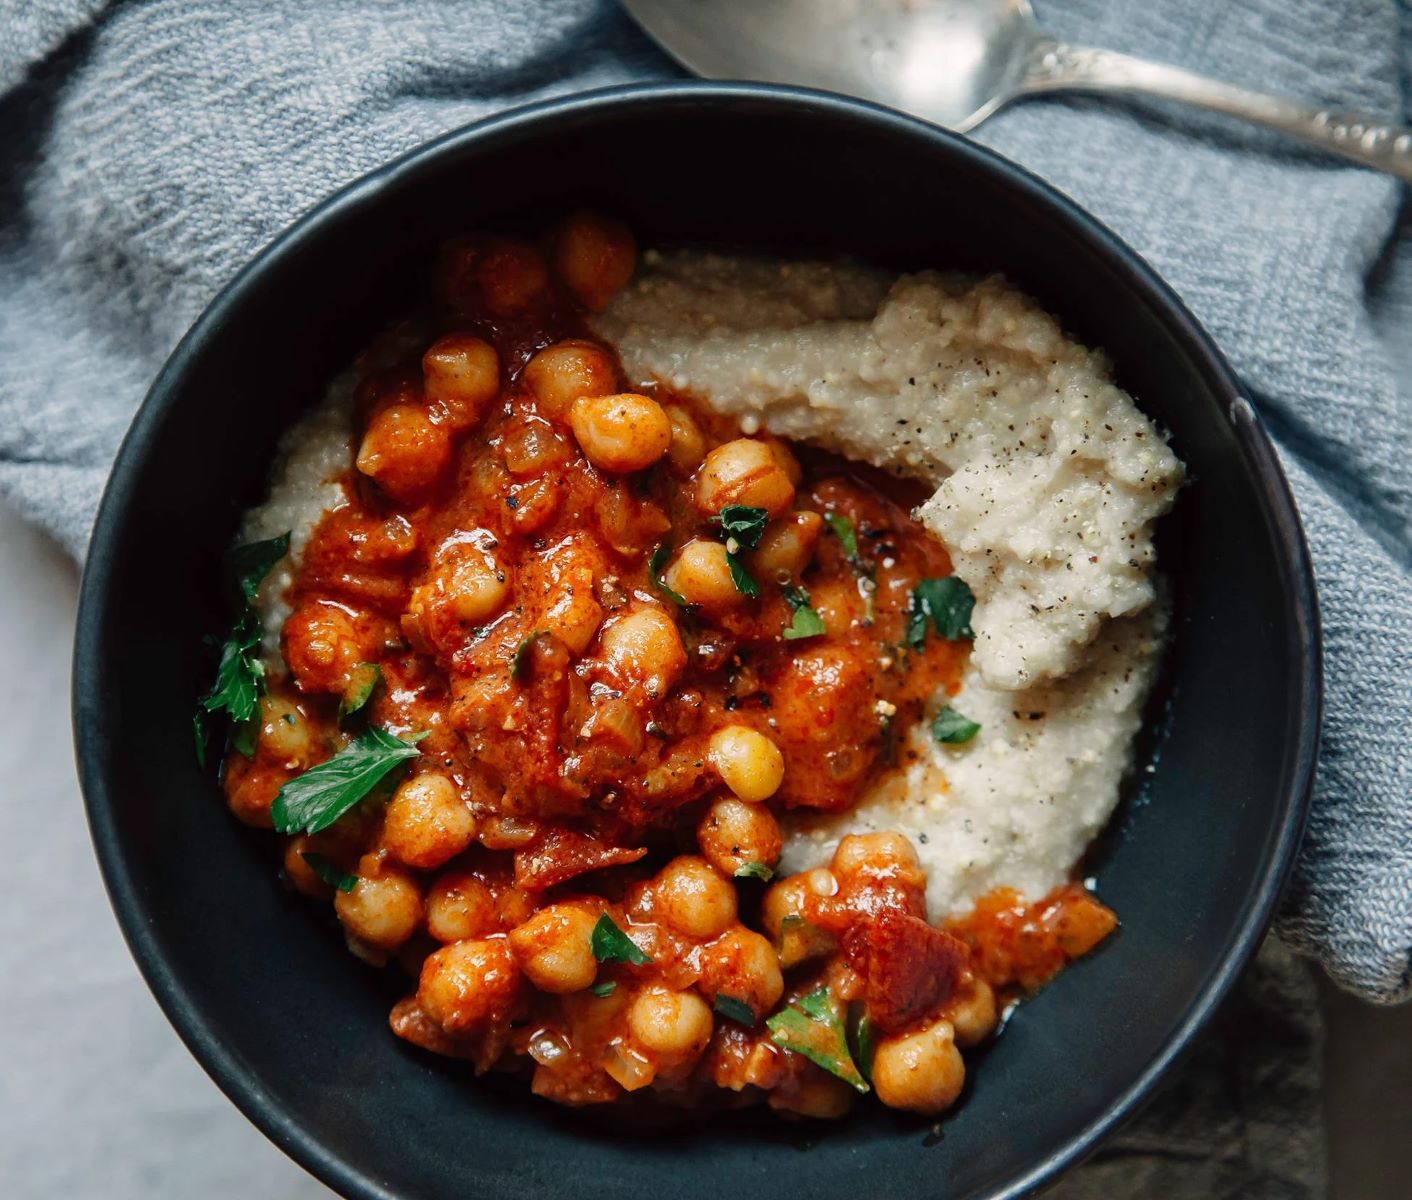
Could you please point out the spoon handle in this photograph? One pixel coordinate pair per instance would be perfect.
(1366, 140)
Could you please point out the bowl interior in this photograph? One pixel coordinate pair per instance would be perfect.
(259, 982)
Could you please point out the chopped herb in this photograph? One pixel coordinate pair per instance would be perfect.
(521, 655)
(248, 565)
(744, 584)
(843, 530)
(806, 622)
(655, 566)
(754, 870)
(951, 727)
(611, 944)
(244, 736)
(289, 719)
(743, 522)
(317, 798)
(198, 725)
(736, 1010)
(813, 1026)
(864, 1044)
(606, 988)
(240, 674)
(947, 603)
(364, 678)
(329, 873)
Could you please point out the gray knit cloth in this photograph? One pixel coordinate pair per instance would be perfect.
(149, 148)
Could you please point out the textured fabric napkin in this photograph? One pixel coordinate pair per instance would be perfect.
(148, 148)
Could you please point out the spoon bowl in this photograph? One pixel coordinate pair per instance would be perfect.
(955, 62)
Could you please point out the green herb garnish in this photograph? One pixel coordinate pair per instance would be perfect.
(736, 1010)
(951, 727)
(611, 944)
(329, 873)
(947, 603)
(521, 655)
(240, 674)
(843, 530)
(754, 870)
(864, 1044)
(364, 679)
(656, 564)
(317, 798)
(743, 522)
(806, 621)
(606, 988)
(744, 584)
(813, 1026)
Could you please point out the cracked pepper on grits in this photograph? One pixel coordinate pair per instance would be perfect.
(701, 674)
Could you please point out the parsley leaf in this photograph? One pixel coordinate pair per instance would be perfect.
(864, 1045)
(606, 988)
(611, 944)
(198, 726)
(317, 798)
(240, 674)
(806, 621)
(744, 584)
(248, 565)
(364, 679)
(736, 1010)
(743, 522)
(655, 566)
(521, 655)
(329, 873)
(947, 603)
(951, 727)
(843, 530)
(813, 1026)
(754, 870)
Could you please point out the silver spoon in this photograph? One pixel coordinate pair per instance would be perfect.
(957, 61)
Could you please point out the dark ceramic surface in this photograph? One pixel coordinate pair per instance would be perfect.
(259, 985)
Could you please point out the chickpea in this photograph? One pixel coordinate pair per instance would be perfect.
(742, 964)
(644, 646)
(554, 948)
(427, 822)
(595, 257)
(747, 761)
(784, 458)
(693, 899)
(733, 833)
(383, 909)
(921, 1072)
(877, 854)
(575, 614)
(461, 376)
(467, 583)
(404, 453)
(744, 471)
(674, 1026)
(460, 906)
(787, 547)
(792, 897)
(620, 433)
(688, 446)
(251, 796)
(511, 275)
(284, 731)
(469, 983)
(700, 573)
(972, 1012)
(322, 644)
(559, 374)
(298, 871)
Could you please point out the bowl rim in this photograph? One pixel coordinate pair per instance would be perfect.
(220, 1062)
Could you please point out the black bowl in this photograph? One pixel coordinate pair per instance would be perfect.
(295, 1030)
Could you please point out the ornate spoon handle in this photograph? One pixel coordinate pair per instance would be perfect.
(1366, 140)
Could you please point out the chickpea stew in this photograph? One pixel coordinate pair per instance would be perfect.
(554, 674)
